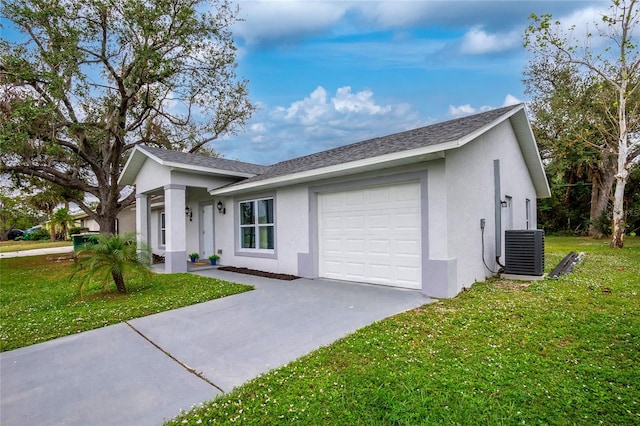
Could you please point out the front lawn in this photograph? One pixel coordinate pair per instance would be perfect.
(563, 351)
(39, 302)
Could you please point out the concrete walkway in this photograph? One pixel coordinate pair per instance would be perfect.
(123, 374)
(37, 252)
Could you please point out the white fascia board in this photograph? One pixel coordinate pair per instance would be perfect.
(139, 154)
(529, 147)
(192, 168)
(204, 170)
(437, 151)
(131, 167)
(381, 162)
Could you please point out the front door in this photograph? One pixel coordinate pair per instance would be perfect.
(207, 247)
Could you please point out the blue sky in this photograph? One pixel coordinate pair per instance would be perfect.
(328, 73)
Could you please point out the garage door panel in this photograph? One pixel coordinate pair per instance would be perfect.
(406, 247)
(355, 269)
(355, 247)
(355, 222)
(407, 221)
(354, 199)
(373, 233)
(379, 196)
(379, 222)
(380, 247)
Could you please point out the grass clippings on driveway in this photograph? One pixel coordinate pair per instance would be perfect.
(39, 303)
(560, 351)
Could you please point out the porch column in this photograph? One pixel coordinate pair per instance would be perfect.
(142, 219)
(175, 256)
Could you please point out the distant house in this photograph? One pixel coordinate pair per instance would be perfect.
(125, 222)
(400, 210)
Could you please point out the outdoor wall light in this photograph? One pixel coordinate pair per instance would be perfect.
(503, 204)
(221, 208)
(188, 213)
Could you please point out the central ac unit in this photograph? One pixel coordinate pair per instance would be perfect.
(524, 252)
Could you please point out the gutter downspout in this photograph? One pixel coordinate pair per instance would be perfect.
(498, 212)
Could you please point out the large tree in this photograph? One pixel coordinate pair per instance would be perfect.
(616, 65)
(86, 81)
(574, 132)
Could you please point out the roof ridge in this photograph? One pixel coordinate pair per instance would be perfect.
(415, 129)
(192, 154)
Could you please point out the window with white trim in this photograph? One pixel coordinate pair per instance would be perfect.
(257, 225)
(163, 230)
(528, 213)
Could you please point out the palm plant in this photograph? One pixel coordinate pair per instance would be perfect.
(61, 221)
(111, 257)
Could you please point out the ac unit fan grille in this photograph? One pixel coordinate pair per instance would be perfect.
(524, 252)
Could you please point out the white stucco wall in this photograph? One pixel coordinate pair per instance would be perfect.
(151, 177)
(126, 222)
(460, 192)
(470, 197)
(292, 228)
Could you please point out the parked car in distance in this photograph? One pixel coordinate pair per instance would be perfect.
(33, 228)
(15, 233)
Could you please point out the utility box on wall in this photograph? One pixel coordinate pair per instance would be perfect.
(524, 252)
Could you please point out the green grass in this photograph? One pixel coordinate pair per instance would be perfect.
(39, 302)
(562, 352)
(7, 246)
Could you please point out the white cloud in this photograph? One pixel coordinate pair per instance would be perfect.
(511, 100)
(478, 42)
(273, 20)
(462, 110)
(390, 14)
(458, 111)
(345, 101)
(318, 122)
(467, 109)
(309, 110)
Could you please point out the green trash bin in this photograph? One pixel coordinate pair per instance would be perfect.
(81, 240)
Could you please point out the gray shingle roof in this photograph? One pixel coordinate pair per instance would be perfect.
(434, 134)
(204, 161)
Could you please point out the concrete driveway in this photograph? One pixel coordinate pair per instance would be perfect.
(144, 371)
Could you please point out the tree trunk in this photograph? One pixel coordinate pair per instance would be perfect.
(602, 184)
(119, 280)
(617, 227)
(107, 224)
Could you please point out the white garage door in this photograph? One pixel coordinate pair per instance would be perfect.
(371, 235)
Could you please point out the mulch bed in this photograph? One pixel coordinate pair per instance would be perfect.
(257, 273)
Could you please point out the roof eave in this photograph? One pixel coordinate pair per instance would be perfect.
(205, 170)
(384, 161)
(135, 161)
(531, 154)
(359, 166)
(131, 167)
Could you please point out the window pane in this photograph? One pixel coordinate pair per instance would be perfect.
(266, 237)
(248, 237)
(247, 216)
(265, 211)
(163, 238)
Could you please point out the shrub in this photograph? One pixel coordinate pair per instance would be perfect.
(77, 230)
(38, 235)
(110, 259)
